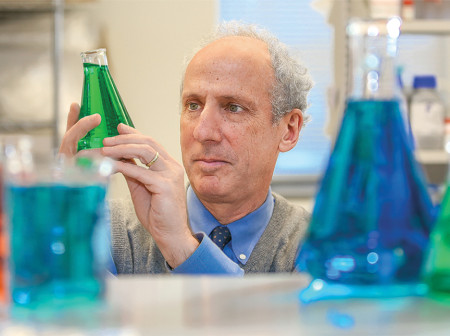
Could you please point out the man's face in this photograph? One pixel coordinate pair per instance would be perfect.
(229, 143)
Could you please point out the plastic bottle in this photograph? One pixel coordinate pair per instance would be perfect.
(408, 10)
(447, 135)
(100, 95)
(427, 114)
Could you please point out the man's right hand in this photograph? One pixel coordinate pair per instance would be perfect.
(158, 194)
(76, 130)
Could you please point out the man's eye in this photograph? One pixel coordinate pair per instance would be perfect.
(193, 106)
(235, 108)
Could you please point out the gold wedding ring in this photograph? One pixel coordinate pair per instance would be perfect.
(153, 160)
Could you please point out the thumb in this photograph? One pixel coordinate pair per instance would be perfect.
(73, 115)
(125, 129)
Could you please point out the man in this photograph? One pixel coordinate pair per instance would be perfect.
(243, 99)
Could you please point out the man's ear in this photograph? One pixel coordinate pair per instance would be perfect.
(292, 123)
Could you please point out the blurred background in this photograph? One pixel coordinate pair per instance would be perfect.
(147, 40)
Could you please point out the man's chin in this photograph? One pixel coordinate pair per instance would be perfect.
(208, 187)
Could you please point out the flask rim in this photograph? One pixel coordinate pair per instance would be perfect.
(96, 56)
(94, 51)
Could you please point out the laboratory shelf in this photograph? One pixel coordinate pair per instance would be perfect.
(27, 6)
(432, 156)
(13, 10)
(14, 126)
(426, 27)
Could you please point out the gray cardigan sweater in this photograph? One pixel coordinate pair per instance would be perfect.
(134, 250)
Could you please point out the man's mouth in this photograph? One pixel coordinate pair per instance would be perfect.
(210, 163)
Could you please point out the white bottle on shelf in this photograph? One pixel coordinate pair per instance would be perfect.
(427, 114)
(447, 136)
(408, 10)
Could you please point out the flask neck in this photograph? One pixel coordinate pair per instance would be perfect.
(97, 57)
(373, 54)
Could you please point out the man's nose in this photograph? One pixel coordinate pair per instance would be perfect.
(208, 126)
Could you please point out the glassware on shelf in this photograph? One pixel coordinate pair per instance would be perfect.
(372, 216)
(427, 114)
(100, 95)
(57, 233)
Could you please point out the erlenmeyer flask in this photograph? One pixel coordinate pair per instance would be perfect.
(101, 96)
(3, 246)
(437, 270)
(57, 232)
(372, 215)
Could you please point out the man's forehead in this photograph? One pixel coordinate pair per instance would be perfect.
(240, 40)
(239, 44)
(231, 64)
(248, 52)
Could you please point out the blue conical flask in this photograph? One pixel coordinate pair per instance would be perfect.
(373, 215)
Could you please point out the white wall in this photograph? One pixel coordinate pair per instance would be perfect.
(146, 43)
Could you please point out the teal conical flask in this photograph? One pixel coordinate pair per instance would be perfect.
(372, 216)
(437, 270)
(100, 95)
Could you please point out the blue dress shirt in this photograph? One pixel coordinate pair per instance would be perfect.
(245, 233)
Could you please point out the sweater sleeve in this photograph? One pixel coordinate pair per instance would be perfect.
(208, 258)
(120, 243)
(135, 252)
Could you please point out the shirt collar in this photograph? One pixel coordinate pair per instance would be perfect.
(245, 232)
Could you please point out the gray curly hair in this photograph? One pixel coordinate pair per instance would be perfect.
(292, 79)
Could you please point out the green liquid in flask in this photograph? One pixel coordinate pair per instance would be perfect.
(438, 261)
(101, 96)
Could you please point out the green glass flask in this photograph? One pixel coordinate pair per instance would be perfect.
(100, 95)
(437, 270)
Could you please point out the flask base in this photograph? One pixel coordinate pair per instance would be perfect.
(319, 289)
(439, 282)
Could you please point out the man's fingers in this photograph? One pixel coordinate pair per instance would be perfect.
(88, 123)
(139, 174)
(125, 129)
(143, 153)
(79, 130)
(74, 113)
(89, 153)
(131, 136)
(76, 132)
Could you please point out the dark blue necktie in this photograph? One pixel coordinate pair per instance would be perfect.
(221, 236)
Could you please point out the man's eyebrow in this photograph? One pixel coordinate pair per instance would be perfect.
(238, 98)
(190, 95)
